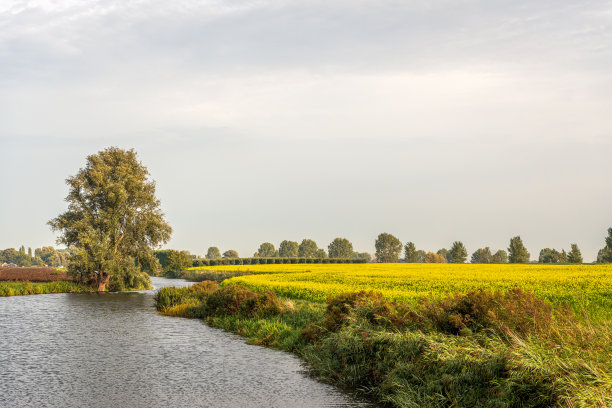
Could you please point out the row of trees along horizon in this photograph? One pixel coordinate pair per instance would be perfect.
(388, 249)
(46, 255)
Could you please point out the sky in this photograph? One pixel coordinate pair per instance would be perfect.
(435, 121)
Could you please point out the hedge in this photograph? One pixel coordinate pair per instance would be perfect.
(264, 261)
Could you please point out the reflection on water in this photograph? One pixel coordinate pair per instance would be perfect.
(113, 350)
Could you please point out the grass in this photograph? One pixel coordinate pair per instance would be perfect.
(9, 288)
(478, 349)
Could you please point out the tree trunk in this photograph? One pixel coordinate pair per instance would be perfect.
(103, 280)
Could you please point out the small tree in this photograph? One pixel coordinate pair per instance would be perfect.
(517, 253)
(288, 249)
(457, 253)
(213, 253)
(605, 254)
(388, 248)
(230, 253)
(178, 261)
(340, 248)
(482, 256)
(420, 255)
(445, 253)
(307, 249)
(574, 255)
(266, 250)
(410, 253)
(548, 255)
(500, 257)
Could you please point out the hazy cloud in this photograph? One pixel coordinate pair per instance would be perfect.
(331, 118)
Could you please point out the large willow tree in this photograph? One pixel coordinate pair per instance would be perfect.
(113, 222)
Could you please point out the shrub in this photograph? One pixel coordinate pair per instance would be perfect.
(239, 300)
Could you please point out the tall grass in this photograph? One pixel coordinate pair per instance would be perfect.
(479, 349)
(9, 288)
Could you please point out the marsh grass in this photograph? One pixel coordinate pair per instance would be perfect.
(478, 349)
(9, 288)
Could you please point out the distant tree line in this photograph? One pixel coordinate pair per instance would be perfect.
(388, 249)
(339, 248)
(46, 255)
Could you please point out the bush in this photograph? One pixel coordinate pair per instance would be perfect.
(239, 300)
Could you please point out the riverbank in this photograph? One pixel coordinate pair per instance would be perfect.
(482, 349)
(38, 280)
(18, 288)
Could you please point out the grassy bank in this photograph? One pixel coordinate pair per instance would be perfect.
(39, 280)
(479, 349)
(16, 288)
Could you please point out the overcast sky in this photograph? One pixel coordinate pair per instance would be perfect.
(268, 120)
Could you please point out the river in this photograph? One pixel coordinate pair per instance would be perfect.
(114, 350)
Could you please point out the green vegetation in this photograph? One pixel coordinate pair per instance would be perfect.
(288, 249)
(213, 253)
(340, 248)
(388, 248)
(481, 348)
(46, 255)
(12, 288)
(113, 222)
(517, 253)
(457, 253)
(277, 260)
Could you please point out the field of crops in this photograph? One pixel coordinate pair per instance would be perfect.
(585, 287)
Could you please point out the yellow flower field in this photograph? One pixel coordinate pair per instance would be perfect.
(585, 287)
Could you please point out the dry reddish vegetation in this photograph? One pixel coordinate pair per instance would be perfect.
(33, 274)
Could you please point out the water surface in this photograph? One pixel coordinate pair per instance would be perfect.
(114, 350)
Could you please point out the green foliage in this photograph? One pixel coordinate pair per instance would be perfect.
(340, 248)
(517, 253)
(482, 255)
(231, 253)
(364, 256)
(321, 254)
(113, 221)
(388, 248)
(444, 253)
(178, 261)
(574, 255)
(410, 253)
(239, 300)
(307, 249)
(457, 253)
(12, 288)
(266, 250)
(605, 254)
(213, 253)
(500, 257)
(206, 299)
(288, 249)
(548, 255)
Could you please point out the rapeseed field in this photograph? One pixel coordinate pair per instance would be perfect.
(585, 287)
